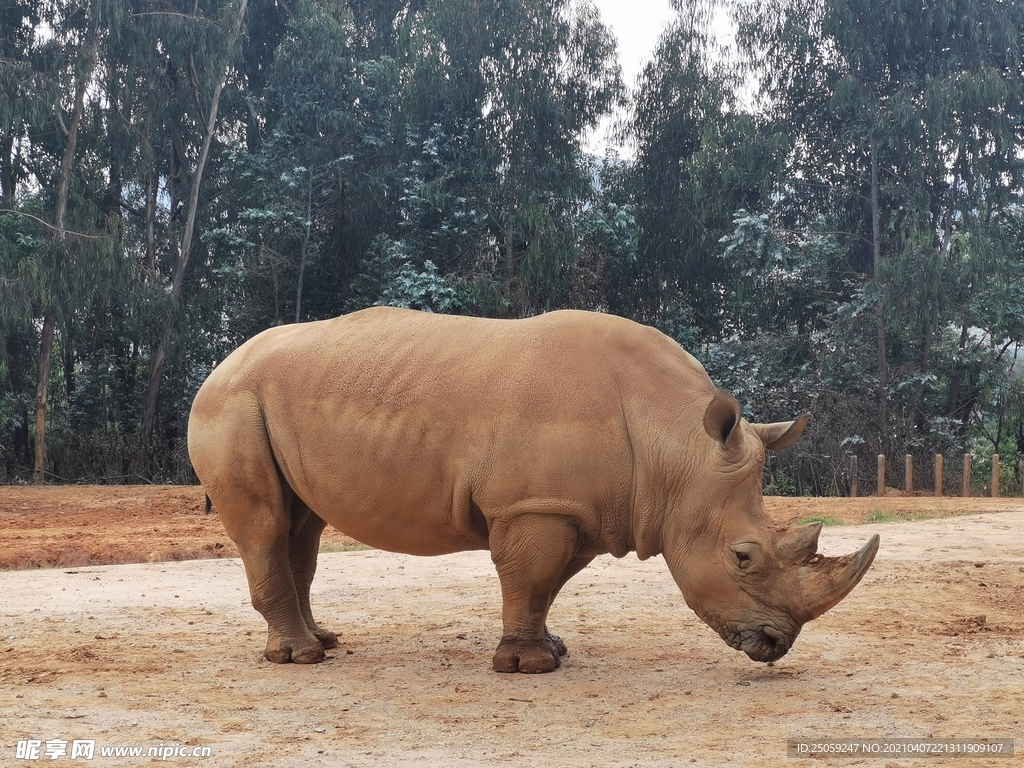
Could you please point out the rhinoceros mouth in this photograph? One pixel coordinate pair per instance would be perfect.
(764, 643)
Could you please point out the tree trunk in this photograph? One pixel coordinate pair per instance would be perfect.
(151, 192)
(305, 246)
(926, 356)
(16, 340)
(16, 348)
(68, 349)
(953, 403)
(7, 182)
(59, 217)
(876, 255)
(159, 358)
(42, 388)
(156, 373)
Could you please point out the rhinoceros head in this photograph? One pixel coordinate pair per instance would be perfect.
(753, 581)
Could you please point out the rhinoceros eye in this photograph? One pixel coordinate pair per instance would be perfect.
(746, 553)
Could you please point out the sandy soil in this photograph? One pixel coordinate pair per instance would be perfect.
(73, 525)
(931, 644)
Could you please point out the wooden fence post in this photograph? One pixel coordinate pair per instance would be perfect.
(880, 490)
(908, 477)
(854, 478)
(967, 475)
(995, 475)
(938, 474)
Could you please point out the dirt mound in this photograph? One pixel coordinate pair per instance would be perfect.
(77, 525)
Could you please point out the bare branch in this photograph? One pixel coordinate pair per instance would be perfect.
(50, 226)
(187, 16)
(193, 78)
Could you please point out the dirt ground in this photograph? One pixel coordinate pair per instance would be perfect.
(165, 653)
(73, 525)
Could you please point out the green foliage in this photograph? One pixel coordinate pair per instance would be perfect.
(780, 485)
(699, 160)
(430, 155)
(392, 279)
(782, 279)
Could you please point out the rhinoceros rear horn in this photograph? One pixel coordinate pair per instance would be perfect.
(829, 579)
(800, 544)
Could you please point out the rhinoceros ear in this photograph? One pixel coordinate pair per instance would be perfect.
(722, 419)
(781, 434)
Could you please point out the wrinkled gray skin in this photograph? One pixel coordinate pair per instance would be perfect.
(548, 441)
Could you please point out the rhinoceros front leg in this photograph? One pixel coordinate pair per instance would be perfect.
(574, 566)
(532, 554)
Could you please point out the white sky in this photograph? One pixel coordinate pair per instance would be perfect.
(637, 24)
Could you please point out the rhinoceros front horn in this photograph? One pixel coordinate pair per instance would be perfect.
(829, 579)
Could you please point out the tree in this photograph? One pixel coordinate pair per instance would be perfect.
(906, 125)
(220, 67)
(549, 75)
(58, 267)
(18, 109)
(699, 159)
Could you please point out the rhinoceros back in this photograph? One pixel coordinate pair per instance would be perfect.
(411, 431)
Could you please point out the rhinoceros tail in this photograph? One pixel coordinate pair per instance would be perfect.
(209, 504)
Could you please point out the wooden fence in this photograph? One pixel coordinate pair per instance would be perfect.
(908, 476)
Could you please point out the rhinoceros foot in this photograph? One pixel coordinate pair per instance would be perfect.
(327, 638)
(556, 641)
(282, 650)
(529, 656)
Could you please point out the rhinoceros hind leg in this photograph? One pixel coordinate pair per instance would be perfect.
(574, 566)
(532, 554)
(303, 548)
(273, 595)
(260, 528)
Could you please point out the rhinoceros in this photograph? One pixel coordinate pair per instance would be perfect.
(548, 441)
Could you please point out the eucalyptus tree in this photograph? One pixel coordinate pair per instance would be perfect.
(497, 97)
(51, 185)
(906, 123)
(169, 72)
(699, 158)
(550, 74)
(18, 110)
(452, 133)
(309, 197)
